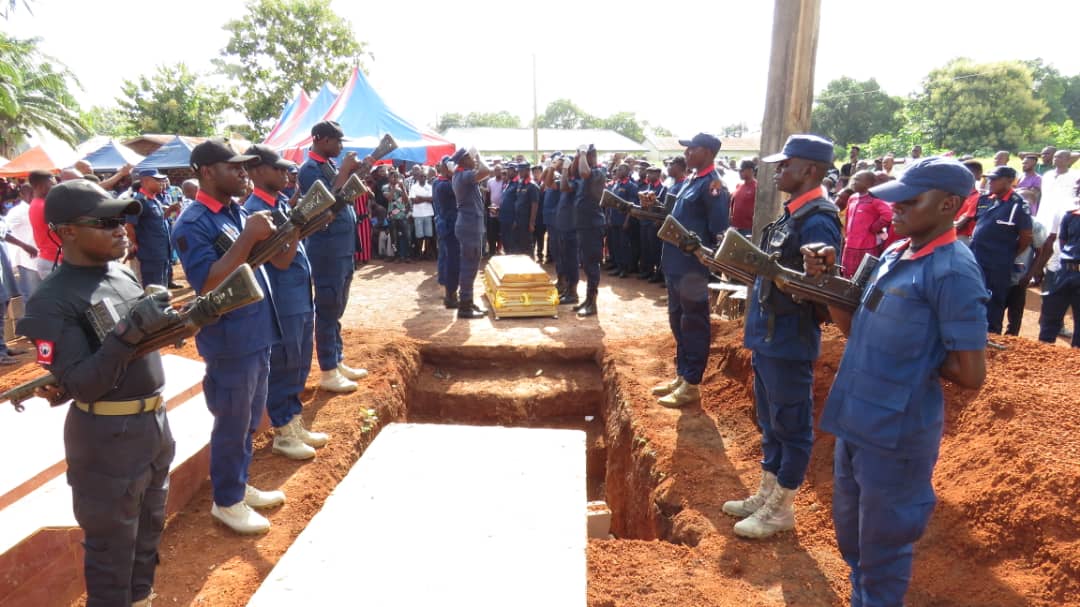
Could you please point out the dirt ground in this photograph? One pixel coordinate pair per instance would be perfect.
(1006, 531)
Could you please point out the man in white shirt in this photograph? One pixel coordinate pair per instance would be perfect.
(18, 220)
(1058, 197)
(423, 215)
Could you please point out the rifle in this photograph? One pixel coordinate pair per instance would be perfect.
(303, 219)
(827, 289)
(609, 200)
(351, 190)
(674, 232)
(237, 290)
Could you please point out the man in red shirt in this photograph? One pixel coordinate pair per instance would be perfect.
(742, 203)
(47, 244)
(866, 217)
(965, 217)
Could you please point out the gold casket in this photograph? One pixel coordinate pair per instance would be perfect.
(517, 286)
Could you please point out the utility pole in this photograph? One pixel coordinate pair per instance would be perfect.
(789, 95)
(536, 132)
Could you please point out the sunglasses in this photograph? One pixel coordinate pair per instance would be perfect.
(107, 223)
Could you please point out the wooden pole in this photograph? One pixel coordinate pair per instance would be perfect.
(536, 136)
(789, 95)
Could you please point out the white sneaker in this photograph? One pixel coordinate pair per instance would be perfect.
(350, 373)
(290, 446)
(240, 518)
(668, 387)
(686, 394)
(145, 602)
(746, 507)
(776, 515)
(262, 499)
(313, 439)
(334, 381)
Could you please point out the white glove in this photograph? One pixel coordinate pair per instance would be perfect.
(583, 148)
(474, 153)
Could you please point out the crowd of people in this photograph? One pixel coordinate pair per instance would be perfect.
(958, 246)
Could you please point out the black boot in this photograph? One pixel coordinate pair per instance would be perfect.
(589, 307)
(569, 298)
(450, 300)
(560, 286)
(467, 309)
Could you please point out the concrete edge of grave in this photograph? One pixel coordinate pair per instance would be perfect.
(326, 547)
(39, 454)
(41, 556)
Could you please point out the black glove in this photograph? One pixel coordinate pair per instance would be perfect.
(150, 314)
(689, 244)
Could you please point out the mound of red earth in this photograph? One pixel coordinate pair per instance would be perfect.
(1006, 530)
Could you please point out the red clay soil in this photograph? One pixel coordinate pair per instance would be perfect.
(1006, 530)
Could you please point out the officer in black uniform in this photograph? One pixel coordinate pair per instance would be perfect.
(116, 438)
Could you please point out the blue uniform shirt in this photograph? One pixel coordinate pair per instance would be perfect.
(1069, 236)
(551, 205)
(627, 190)
(702, 207)
(242, 331)
(508, 205)
(997, 232)
(445, 203)
(917, 307)
(291, 286)
(470, 204)
(587, 211)
(796, 334)
(564, 214)
(339, 238)
(528, 194)
(151, 228)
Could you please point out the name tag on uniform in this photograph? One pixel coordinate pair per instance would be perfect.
(226, 238)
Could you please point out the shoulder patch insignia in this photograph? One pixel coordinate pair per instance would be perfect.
(44, 352)
(715, 187)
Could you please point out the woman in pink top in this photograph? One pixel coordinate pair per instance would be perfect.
(866, 216)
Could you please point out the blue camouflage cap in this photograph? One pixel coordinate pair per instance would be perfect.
(932, 173)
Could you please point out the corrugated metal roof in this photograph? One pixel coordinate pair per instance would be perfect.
(487, 139)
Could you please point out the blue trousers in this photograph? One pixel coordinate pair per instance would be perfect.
(590, 251)
(449, 263)
(154, 272)
(523, 238)
(28, 281)
(235, 391)
(783, 395)
(650, 247)
(506, 234)
(1061, 290)
(619, 245)
(470, 236)
(118, 469)
(881, 506)
(997, 282)
(290, 364)
(553, 253)
(567, 262)
(688, 315)
(332, 277)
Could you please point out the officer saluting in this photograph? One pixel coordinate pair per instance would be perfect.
(589, 223)
(784, 336)
(702, 206)
(116, 437)
(449, 264)
(331, 254)
(922, 317)
(213, 237)
(290, 359)
(469, 227)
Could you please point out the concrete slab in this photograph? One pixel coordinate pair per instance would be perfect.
(35, 451)
(446, 515)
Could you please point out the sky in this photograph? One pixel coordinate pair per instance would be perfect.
(687, 66)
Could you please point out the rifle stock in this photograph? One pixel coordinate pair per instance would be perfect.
(237, 290)
(826, 289)
(609, 200)
(675, 233)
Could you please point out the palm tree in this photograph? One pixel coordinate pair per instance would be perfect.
(34, 95)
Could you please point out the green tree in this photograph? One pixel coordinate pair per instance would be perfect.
(849, 111)
(1048, 86)
(978, 107)
(1071, 98)
(502, 119)
(450, 120)
(34, 95)
(735, 130)
(110, 121)
(565, 114)
(281, 43)
(625, 124)
(173, 100)
(1064, 136)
